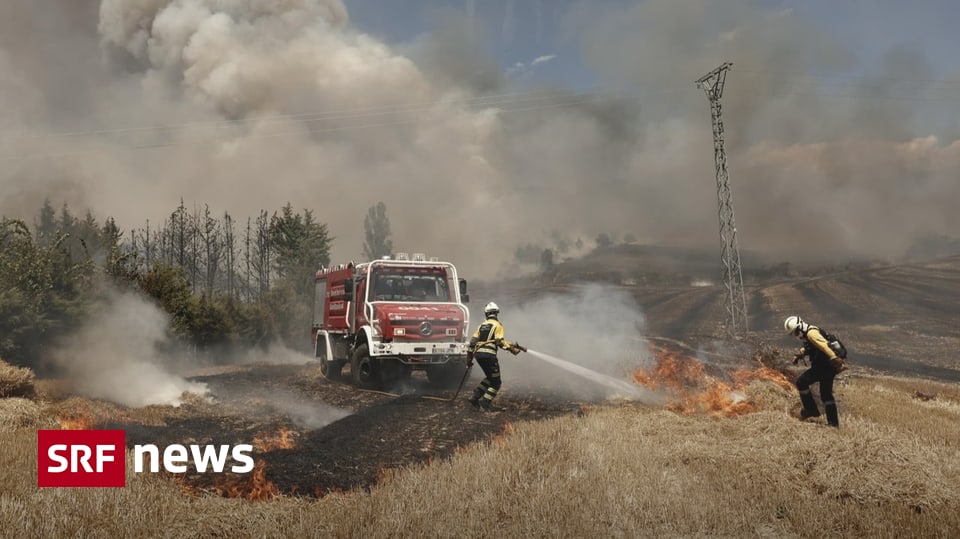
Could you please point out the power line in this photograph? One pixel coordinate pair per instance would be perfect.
(504, 99)
(559, 102)
(505, 103)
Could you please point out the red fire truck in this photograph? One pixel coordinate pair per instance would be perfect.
(390, 317)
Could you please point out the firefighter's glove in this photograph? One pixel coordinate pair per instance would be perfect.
(837, 365)
(514, 349)
(797, 358)
(469, 359)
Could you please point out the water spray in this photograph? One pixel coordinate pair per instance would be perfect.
(624, 389)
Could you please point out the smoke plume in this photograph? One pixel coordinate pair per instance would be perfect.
(124, 107)
(593, 326)
(117, 355)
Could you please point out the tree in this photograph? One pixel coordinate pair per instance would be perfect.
(528, 254)
(168, 285)
(546, 260)
(604, 240)
(261, 255)
(43, 292)
(46, 227)
(376, 226)
(300, 246)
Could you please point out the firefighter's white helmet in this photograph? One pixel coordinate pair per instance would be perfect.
(491, 308)
(793, 325)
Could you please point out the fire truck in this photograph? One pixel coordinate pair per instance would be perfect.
(389, 317)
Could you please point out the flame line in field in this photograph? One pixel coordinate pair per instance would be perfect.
(625, 389)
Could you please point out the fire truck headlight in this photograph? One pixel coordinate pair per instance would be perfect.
(399, 332)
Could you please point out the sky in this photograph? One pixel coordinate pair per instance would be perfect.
(489, 124)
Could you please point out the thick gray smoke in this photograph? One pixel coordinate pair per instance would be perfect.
(594, 326)
(117, 355)
(126, 106)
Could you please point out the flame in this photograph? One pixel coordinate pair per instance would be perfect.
(86, 414)
(501, 438)
(283, 438)
(694, 391)
(81, 420)
(254, 486)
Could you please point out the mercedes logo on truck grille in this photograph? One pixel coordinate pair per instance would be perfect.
(426, 329)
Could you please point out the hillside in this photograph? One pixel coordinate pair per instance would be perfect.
(719, 451)
(898, 319)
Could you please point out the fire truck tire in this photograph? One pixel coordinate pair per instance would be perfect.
(364, 370)
(330, 368)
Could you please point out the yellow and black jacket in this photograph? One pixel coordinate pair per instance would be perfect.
(818, 350)
(488, 338)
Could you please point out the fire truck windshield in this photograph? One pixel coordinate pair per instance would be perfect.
(409, 287)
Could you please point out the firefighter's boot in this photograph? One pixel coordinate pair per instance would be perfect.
(833, 418)
(485, 405)
(809, 405)
(477, 394)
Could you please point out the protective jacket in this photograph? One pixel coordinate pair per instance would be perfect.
(824, 366)
(488, 338)
(815, 347)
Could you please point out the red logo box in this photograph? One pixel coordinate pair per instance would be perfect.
(81, 458)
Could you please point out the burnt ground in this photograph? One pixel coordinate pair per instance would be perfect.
(899, 320)
(342, 438)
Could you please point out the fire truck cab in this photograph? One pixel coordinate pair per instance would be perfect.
(387, 318)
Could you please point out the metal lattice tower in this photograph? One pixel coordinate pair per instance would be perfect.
(712, 84)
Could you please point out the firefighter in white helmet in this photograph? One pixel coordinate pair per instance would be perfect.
(824, 366)
(486, 341)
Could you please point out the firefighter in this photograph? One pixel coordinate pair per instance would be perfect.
(487, 339)
(824, 366)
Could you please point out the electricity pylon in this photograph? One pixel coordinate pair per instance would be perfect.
(712, 84)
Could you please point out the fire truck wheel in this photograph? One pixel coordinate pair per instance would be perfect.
(364, 370)
(330, 368)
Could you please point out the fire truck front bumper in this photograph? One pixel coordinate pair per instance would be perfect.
(419, 353)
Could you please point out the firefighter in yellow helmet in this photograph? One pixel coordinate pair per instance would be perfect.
(486, 341)
(824, 366)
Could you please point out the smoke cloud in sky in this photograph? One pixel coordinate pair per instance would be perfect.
(124, 107)
(116, 356)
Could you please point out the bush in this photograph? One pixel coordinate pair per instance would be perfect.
(15, 381)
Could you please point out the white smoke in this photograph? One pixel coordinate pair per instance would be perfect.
(594, 326)
(250, 104)
(116, 355)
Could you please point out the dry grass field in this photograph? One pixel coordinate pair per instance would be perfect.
(617, 470)
(724, 456)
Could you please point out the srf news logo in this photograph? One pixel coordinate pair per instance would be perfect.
(95, 458)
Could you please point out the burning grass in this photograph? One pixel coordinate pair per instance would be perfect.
(282, 438)
(77, 413)
(628, 470)
(693, 389)
(254, 487)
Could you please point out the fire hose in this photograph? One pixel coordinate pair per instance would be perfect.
(515, 349)
(466, 374)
